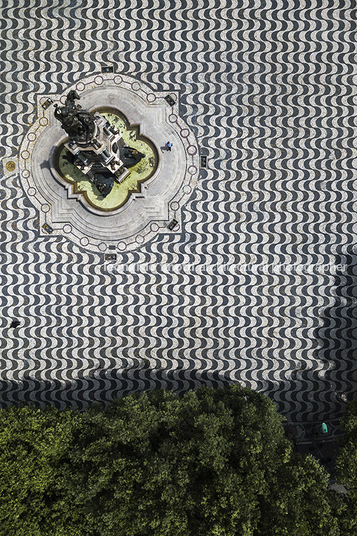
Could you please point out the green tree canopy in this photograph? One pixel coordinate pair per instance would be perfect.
(347, 467)
(211, 463)
(33, 444)
(347, 459)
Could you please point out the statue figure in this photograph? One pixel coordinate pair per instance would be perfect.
(95, 147)
(130, 156)
(76, 122)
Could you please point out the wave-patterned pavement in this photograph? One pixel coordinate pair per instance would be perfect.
(269, 88)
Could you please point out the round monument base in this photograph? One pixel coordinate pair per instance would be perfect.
(147, 209)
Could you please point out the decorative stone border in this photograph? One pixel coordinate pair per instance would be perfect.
(145, 213)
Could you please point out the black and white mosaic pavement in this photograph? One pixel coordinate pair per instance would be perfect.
(269, 89)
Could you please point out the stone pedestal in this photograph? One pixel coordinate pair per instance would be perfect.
(101, 153)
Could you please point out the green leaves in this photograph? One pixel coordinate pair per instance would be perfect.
(346, 509)
(214, 462)
(347, 459)
(33, 444)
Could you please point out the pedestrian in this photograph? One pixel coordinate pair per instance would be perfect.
(168, 145)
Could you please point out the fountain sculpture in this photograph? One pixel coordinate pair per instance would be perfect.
(95, 146)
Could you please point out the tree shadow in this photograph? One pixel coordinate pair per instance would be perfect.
(103, 386)
(337, 334)
(315, 390)
(318, 389)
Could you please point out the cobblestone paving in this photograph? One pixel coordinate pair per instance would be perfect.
(269, 88)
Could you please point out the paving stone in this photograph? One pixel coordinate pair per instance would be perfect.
(269, 91)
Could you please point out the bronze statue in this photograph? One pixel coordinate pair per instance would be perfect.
(94, 146)
(79, 124)
(130, 156)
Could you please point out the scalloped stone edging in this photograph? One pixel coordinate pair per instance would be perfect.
(145, 213)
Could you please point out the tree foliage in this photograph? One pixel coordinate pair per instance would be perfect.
(212, 463)
(347, 459)
(347, 466)
(33, 444)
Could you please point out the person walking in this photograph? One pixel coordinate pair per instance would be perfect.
(168, 145)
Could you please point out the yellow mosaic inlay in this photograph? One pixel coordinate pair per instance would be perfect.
(120, 192)
(10, 166)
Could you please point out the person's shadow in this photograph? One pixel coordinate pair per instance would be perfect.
(164, 148)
